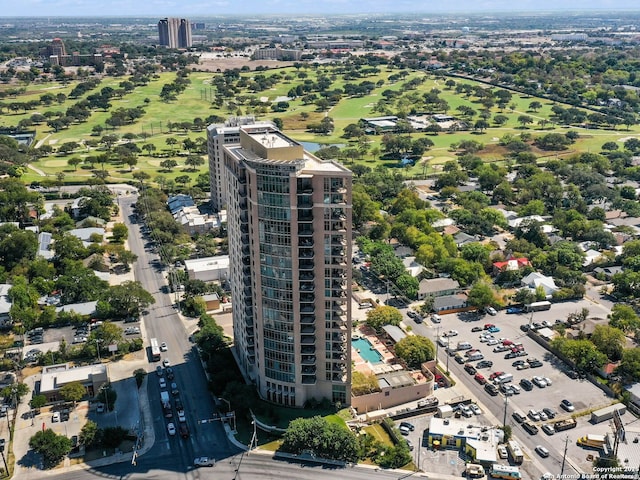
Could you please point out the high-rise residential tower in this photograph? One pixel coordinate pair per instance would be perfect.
(289, 228)
(174, 33)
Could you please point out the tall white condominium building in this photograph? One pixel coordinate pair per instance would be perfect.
(289, 227)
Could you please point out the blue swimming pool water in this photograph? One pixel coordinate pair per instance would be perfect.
(366, 350)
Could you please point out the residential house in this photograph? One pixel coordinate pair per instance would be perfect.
(84, 308)
(413, 268)
(536, 279)
(44, 245)
(179, 201)
(450, 303)
(212, 301)
(437, 287)
(85, 234)
(5, 304)
(608, 272)
(510, 265)
(462, 238)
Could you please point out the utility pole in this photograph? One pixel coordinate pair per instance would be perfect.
(504, 416)
(448, 346)
(437, 343)
(564, 455)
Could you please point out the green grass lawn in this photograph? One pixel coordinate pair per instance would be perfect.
(195, 102)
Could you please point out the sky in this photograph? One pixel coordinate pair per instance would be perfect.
(203, 8)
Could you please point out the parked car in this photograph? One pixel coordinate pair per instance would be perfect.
(204, 462)
(100, 408)
(55, 417)
(163, 347)
(491, 311)
(539, 381)
(171, 428)
(166, 363)
(534, 415)
(475, 408)
(408, 425)
(549, 412)
(512, 310)
(526, 384)
(159, 371)
(530, 428)
(470, 369)
(548, 429)
(491, 389)
(480, 379)
(484, 364)
(476, 329)
(466, 411)
(518, 417)
(404, 430)
(181, 416)
(162, 382)
(494, 329)
(567, 405)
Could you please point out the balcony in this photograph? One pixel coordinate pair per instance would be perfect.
(339, 347)
(308, 359)
(247, 291)
(308, 379)
(246, 260)
(242, 203)
(338, 240)
(246, 270)
(308, 308)
(305, 215)
(306, 329)
(339, 326)
(305, 242)
(308, 369)
(308, 339)
(338, 356)
(244, 228)
(337, 251)
(338, 215)
(339, 367)
(338, 199)
(306, 253)
(304, 188)
(305, 231)
(338, 226)
(308, 350)
(338, 337)
(338, 377)
(307, 298)
(338, 294)
(306, 264)
(307, 286)
(305, 201)
(338, 273)
(307, 319)
(337, 261)
(307, 276)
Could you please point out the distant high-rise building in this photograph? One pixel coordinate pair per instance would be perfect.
(174, 33)
(289, 232)
(56, 48)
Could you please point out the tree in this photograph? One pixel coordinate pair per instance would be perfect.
(108, 396)
(383, 315)
(38, 401)
(120, 232)
(51, 446)
(74, 162)
(481, 295)
(609, 340)
(89, 433)
(194, 161)
(321, 438)
(125, 301)
(168, 164)
(415, 350)
(73, 392)
(524, 120)
(624, 317)
(629, 367)
(106, 334)
(535, 106)
(139, 374)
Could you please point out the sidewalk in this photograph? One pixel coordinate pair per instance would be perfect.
(26, 461)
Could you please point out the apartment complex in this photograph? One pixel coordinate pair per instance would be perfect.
(289, 229)
(175, 33)
(277, 53)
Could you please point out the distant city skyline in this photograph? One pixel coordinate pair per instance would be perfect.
(186, 8)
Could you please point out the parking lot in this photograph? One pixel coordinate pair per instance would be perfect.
(44, 340)
(581, 393)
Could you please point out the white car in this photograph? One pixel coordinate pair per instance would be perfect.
(163, 382)
(534, 415)
(543, 416)
(493, 341)
(548, 381)
(475, 408)
(491, 311)
(163, 347)
(542, 451)
(451, 333)
(466, 411)
(171, 428)
(204, 462)
(56, 417)
(539, 381)
(166, 363)
(181, 416)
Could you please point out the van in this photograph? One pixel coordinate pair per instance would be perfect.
(464, 346)
(475, 356)
(435, 318)
(365, 305)
(504, 378)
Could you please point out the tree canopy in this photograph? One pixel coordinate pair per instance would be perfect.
(415, 350)
(325, 440)
(383, 315)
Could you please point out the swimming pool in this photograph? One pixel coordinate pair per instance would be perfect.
(366, 350)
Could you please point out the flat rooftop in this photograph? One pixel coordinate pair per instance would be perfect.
(272, 140)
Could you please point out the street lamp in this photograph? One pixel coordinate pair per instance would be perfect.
(227, 402)
(504, 417)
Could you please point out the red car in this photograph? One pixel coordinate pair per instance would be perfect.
(495, 374)
(480, 379)
(487, 326)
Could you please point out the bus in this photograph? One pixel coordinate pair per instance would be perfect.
(505, 471)
(155, 350)
(537, 306)
(515, 451)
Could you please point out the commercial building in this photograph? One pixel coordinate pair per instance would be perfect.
(289, 230)
(208, 269)
(277, 53)
(175, 33)
(54, 377)
(478, 442)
